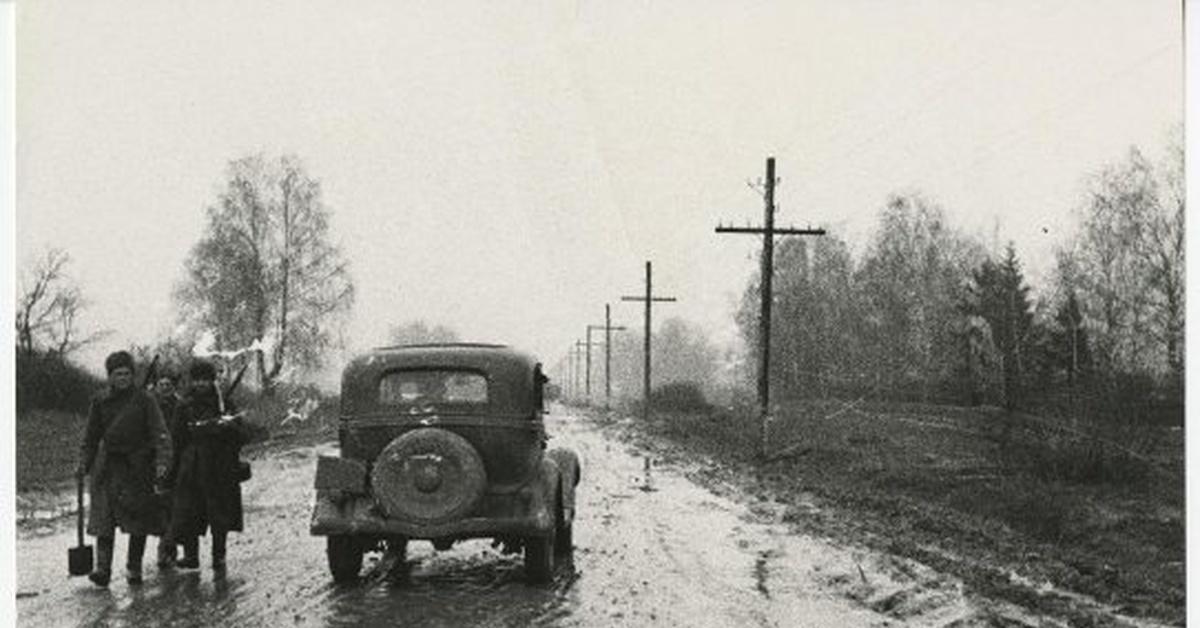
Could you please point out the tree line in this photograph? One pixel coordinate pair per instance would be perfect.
(928, 313)
(264, 287)
(925, 313)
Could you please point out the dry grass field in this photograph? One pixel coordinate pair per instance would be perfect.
(1018, 507)
(47, 448)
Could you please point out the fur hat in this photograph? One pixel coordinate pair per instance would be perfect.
(118, 359)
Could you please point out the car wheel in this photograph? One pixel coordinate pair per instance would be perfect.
(539, 557)
(428, 475)
(345, 556)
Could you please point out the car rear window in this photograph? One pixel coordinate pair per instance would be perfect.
(421, 387)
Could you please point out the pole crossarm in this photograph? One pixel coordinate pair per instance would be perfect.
(643, 299)
(592, 328)
(774, 231)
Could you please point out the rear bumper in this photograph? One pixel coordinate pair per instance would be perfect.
(524, 513)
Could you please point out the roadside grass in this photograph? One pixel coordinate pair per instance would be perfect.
(1007, 503)
(47, 448)
(48, 440)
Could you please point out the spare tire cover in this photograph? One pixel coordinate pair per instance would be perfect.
(428, 475)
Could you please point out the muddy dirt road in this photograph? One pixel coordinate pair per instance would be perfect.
(650, 550)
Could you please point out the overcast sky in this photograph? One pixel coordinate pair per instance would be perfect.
(507, 168)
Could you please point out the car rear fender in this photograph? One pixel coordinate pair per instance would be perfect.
(567, 474)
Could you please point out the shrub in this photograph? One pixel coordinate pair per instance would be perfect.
(48, 381)
(679, 397)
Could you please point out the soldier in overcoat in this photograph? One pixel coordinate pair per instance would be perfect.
(166, 393)
(127, 451)
(208, 494)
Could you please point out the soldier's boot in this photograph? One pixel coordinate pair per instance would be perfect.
(133, 563)
(104, 558)
(191, 553)
(218, 550)
(167, 553)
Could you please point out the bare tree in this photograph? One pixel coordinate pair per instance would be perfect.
(264, 271)
(913, 278)
(683, 353)
(818, 317)
(48, 307)
(1166, 255)
(1128, 264)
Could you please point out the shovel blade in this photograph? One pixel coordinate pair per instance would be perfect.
(80, 560)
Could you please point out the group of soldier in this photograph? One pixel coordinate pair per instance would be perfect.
(161, 464)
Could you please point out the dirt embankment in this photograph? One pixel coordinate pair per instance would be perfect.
(933, 485)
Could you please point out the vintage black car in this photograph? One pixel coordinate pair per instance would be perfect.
(444, 442)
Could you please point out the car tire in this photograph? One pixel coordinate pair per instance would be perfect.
(456, 481)
(539, 557)
(345, 556)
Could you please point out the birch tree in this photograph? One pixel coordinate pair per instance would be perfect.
(265, 270)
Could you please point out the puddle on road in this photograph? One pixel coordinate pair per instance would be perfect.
(471, 585)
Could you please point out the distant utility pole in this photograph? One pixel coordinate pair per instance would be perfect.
(572, 369)
(578, 371)
(649, 299)
(587, 377)
(768, 232)
(559, 370)
(567, 376)
(608, 329)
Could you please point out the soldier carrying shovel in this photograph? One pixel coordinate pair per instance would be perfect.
(127, 450)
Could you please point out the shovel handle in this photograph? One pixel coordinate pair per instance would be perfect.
(79, 511)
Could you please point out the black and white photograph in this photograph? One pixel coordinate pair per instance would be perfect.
(589, 314)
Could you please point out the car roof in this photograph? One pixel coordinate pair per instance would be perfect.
(509, 371)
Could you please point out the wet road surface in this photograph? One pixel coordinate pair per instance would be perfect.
(651, 549)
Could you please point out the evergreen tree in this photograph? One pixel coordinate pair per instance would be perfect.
(1070, 348)
(1001, 298)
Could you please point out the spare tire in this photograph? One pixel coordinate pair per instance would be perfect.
(428, 475)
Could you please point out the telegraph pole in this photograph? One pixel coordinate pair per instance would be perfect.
(573, 367)
(568, 373)
(578, 371)
(587, 378)
(649, 299)
(768, 232)
(608, 329)
(558, 374)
